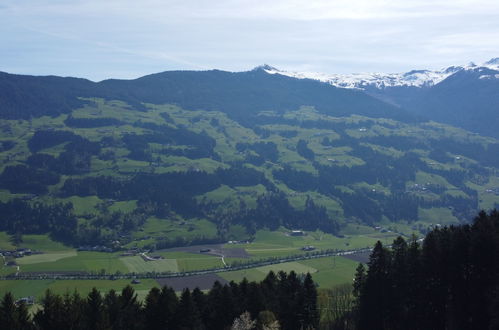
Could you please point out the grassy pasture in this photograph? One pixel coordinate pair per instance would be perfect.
(137, 264)
(436, 215)
(199, 263)
(5, 241)
(192, 261)
(84, 205)
(158, 228)
(46, 257)
(267, 241)
(41, 243)
(327, 272)
(332, 271)
(83, 261)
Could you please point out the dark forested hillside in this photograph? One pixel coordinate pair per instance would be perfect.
(241, 95)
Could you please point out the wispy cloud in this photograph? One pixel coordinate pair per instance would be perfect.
(114, 37)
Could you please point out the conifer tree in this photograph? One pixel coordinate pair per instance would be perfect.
(310, 314)
(94, 311)
(8, 312)
(359, 280)
(112, 309)
(152, 310)
(129, 317)
(51, 315)
(396, 302)
(23, 321)
(188, 316)
(169, 303)
(373, 298)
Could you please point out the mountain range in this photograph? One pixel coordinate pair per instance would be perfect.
(215, 155)
(466, 96)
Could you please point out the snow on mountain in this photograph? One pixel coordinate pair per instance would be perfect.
(415, 78)
(492, 64)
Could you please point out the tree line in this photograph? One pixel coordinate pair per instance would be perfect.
(285, 300)
(451, 281)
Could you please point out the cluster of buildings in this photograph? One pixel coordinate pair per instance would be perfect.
(18, 253)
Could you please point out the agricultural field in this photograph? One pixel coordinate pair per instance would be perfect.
(326, 272)
(137, 264)
(56, 257)
(60, 259)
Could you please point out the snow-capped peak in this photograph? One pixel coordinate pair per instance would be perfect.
(414, 78)
(265, 67)
(418, 78)
(492, 64)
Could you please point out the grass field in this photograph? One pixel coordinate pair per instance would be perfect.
(190, 264)
(279, 243)
(192, 261)
(332, 271)
(41, 243)
(46, 257)
(83, 261)
(84, 205)
(172, 228)
(137, 264)
(327, 272)
(5, 241)
(436, 215)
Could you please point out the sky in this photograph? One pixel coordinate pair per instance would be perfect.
(99, 39)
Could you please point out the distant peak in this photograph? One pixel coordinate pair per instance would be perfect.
(265, 67)
(493, 61)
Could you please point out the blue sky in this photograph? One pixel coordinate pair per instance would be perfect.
(99, 39)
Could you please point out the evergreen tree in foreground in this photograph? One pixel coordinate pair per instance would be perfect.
(286, 299)
(450, 282)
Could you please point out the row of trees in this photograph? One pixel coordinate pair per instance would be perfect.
(450, 282)
(285, 299)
